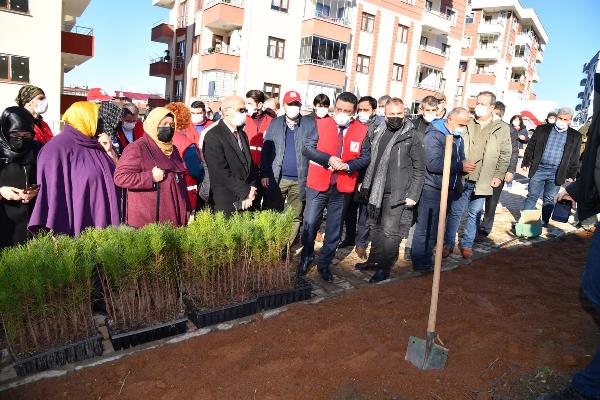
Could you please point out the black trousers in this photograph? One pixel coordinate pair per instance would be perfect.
(386, 234)
(491, 202)
(357, 224)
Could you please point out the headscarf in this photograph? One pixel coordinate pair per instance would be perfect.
(111, 115)
(14, 119)
(151, 128)
(83, 116)
(27, 93)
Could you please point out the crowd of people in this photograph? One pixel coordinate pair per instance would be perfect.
(362, 165)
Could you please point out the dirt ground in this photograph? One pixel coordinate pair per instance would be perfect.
(514, 324)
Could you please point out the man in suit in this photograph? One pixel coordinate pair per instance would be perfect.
(227, 155)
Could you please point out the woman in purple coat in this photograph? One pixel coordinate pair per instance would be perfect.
(153, 174)
(75, 176)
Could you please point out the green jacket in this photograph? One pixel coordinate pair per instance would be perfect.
(496, 156)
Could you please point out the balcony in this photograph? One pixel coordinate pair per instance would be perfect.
(585, 68)
(517, 85)
(487, 53)
(583, 82)
(162, 33)
(524, 39)
(491, 28)
(217, 59)
(227, 15)
(520, 63)
(539, 57)
(436, 22)
(535, 77)
(319, 24)
(181, 26)
(179, 65)
(433, 56)
(309, 70)
(160, 68)
(164, 3)
(580, 95)
(487, 77)
(77, 46)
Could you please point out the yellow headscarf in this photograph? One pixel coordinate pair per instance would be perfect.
(151, 128)
(83, 116)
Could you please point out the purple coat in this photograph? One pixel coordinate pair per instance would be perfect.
(134, 173)
(77, 190)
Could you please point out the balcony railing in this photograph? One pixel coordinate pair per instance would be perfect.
(434, 50)
(438, 13)
(344, 20)
(182, 22)
(237, 3)
(325, 63)
(80, 30)
(219, 50)
(427, 86)
(179, 62)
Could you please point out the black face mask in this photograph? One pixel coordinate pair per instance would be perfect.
(20, 144)
(165, 133)
(394, 123)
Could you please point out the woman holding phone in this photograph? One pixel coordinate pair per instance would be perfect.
(18, 189)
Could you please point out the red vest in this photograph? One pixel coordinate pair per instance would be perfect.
(181, 141)
(43, 134)
(256, 135)
(320, 177)
(138, 132)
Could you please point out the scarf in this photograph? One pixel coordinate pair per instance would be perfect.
(28, 93)
(15, 119)
(111, 116)
(83, 116)
(151, 128)
(377, 170)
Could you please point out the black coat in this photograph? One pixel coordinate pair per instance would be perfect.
(535, 150)
(231, 169)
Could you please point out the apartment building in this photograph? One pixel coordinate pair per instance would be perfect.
(585, 108)
(39, 42)
(407, 48)
(502, 45)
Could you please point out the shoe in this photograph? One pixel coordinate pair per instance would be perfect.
(304, 267)
(346, 243)
(319, 237)
(326, 274)
(379, 276)
(407, 256)
(466, 252)
(361, 252)
(567, 394)
(483, 232)
(446, 251)
(367, 266)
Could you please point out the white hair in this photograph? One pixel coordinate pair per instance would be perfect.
(566, 111)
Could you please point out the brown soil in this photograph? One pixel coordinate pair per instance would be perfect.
(513, 322)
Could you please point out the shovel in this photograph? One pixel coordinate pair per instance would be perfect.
(426, 354)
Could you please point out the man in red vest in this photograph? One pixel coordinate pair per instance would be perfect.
(337, 151)
(257, 123)
(130, 128)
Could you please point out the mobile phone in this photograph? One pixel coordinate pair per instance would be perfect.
(30, 188)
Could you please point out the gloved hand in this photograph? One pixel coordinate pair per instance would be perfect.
(363, 195)
(373, 211)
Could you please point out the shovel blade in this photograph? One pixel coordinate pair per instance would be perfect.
(425, 354)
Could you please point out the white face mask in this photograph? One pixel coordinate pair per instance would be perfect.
(197, 118)
(516, 123)
(292, 112)
(381, 111)
(128, 126)
(429, 117)
(321, 111)
(41, 107)
(342, 119)
(561, 125)
(364, 116)
(251, 109)
(458, 131)
(481, 111)
(239, 119)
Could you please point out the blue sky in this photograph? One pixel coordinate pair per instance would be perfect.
(123, 48)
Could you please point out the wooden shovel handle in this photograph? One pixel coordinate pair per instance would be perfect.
(437, 268)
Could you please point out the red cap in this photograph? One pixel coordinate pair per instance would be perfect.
(291, 97)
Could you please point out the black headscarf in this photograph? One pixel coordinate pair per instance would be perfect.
(111, 115)
(16, 119)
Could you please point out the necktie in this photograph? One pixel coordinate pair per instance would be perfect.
(340, 146)
(236, 135)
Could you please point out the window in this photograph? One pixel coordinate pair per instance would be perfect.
(467, 42)
(487, 19)
(459, 90)
(445, 49)
(429, 78)
(275, 48)
(451, 15)
(334, 10)
(423, 41)
(196, 45)
(14, 68)
(181, 48)
(321, 51)
(362, 64)
(482, 68)
(194, 87)
(516, 77)
(178, 90)
(520, 50)
(469, 18)
(428, 5)
(212, 88)
(15, 5)
(279, 5)
(462, 66)
(272, 90)
(402, 34)
(397, 72)
(368, 20)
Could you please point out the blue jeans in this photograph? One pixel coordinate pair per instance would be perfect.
(474, 205)
(426, 229)
(542, 183)
(587, 381)
(316, 202)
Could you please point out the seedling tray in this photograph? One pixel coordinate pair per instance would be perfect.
(206, 317)
(302, 291)
(125, 340)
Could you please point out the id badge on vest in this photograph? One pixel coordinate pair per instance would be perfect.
(354, 147)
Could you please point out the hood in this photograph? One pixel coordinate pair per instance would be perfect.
(439, 125)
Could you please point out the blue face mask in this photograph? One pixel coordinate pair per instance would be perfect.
(458, 131)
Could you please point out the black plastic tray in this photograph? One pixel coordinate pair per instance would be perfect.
(59, 356)
(202, 318)
(125, 340)
(302, 291)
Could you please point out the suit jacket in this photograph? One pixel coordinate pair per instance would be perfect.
(231, 169)
(535, 150)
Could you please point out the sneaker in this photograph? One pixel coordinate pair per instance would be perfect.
(567, 394)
